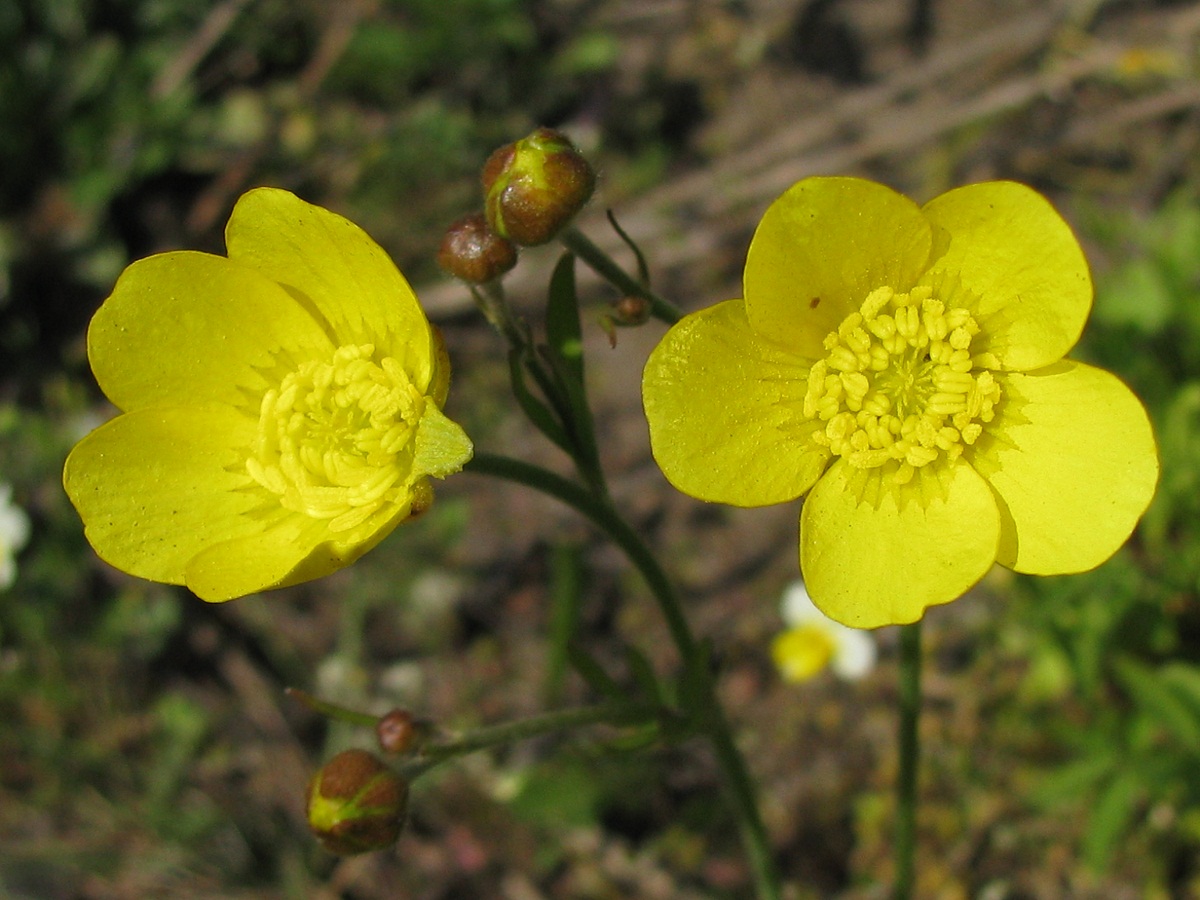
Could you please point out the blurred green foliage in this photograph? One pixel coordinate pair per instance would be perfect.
(130, 126)
(1124, 640)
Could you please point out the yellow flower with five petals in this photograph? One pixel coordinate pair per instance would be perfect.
(905, 367)
(281, 406)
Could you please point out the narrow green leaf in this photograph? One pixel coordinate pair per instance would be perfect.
(1111, 818)
(593, 673)
(1154, 696)
(566, 581)
(643, 674)
(537, 411)
(565, 357)
(562, 317)
(695, 682)
(1184, 679)
(1071, 782)
(643, 269)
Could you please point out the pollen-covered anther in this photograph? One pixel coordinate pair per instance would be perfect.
(898, 387)
(334, 441)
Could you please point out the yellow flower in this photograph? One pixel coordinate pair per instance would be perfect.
(904, 367)
(281, 407)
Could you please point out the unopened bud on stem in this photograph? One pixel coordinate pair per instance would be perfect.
(356, 804)
(398, 732)
(474, 252)
(631, 310)
(534, 187)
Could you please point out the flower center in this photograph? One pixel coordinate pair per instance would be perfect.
(335, 437)
(899, 388)
(803, 651)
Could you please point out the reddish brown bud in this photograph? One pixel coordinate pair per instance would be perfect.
(631, 310)
(474, 252)
(397, 731)
(356, 804)
(534, 187)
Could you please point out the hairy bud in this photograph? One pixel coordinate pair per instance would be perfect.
(399, 732)
(356, 804)
(533, 187)
(631, 310)
(474, 252)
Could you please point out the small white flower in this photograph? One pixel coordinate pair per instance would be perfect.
(813, 641)
(14, 532)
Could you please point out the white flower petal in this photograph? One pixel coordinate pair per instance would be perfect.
(856, 654)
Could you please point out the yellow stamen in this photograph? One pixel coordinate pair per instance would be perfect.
(335, 440)
(899, 388)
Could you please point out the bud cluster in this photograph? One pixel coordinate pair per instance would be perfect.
(473, 252)
(532, 188)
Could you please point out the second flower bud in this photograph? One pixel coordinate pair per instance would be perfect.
(534, 187)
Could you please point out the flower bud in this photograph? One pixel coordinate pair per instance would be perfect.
(356, 804)
(532, 188)
(631, 310)
(474, 252)
(398, 731)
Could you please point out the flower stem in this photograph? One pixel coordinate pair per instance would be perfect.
(331, 710)
(489, 298)
(606, 519)
(435, 753)
(600, 262)
(715, 724)
(906, 786)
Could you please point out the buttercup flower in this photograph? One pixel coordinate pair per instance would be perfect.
(904, 367)
(813, 641)
(14, 533)
(282, 407)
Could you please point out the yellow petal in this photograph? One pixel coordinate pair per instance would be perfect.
(883, 561)
(821, 248)
(726, 412)
(190, 327)
(335, 265)
(295, 549)
(442, 447)
(1073, 461)
(156, 486)
(291, 552)
(1009, 248)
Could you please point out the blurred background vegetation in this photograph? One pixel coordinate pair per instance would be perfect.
(147, 748)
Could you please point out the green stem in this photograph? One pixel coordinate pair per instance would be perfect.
(331, 710)
(489, 298)
(433, 754)
(601, 514)
(604, 266)
(606, 519)
(906, 782)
